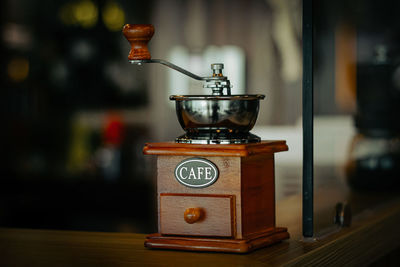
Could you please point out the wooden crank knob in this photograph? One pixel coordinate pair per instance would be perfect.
(138, 35)
(193, 215)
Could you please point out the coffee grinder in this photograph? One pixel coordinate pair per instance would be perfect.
(215, 183)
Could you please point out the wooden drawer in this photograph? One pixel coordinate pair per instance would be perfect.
(217, 214)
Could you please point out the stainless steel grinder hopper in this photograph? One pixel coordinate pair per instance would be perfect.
(219, 118)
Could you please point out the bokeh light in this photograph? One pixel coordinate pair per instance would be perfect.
(18, 69)
(84, 13)
(113, 16)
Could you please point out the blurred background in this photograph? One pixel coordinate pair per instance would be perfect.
(76, 115)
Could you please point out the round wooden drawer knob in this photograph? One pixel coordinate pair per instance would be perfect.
(193, 215)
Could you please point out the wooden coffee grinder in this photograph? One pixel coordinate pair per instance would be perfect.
(215, 183)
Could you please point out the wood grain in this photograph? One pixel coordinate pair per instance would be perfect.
(138, 35)
(250, 176)
(233, 150)
(218, 218)
(374, 233)
(257, 193)
(228, 182)
(218, 245)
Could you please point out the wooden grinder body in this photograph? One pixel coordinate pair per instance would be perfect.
(234, 214)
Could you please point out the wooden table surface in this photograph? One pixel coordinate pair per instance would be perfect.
(374, 233)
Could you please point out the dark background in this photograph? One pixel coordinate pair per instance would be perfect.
(70, 160)
(66, 75)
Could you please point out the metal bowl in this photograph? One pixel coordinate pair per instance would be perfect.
(217, 117)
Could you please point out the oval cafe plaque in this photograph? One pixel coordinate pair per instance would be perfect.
(196, 172)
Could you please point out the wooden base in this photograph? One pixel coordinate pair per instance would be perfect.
(217, 244)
